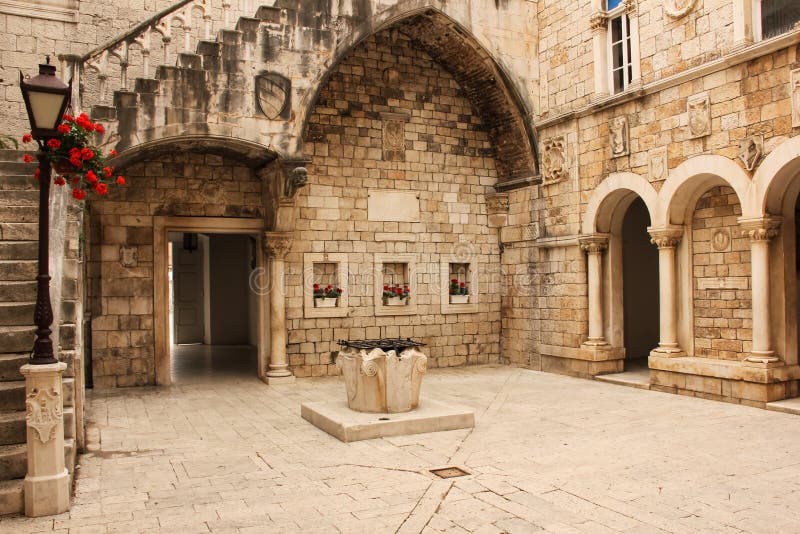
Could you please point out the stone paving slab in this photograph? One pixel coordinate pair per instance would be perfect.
(548, 454)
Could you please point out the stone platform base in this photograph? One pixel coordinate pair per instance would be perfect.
(729, 381)
(584, 362)
(347, 425)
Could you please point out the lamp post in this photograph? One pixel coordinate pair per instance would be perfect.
(46, 98)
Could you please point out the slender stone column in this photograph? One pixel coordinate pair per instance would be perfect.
(760, 231)
(632, 9)
(599, 24)
(46, 487)
(666, 239)
(594, 246)
(277, 246)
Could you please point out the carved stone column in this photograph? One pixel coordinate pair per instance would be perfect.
(666, 239)
(594, 246)
(599, 24)
(46, 487)
(760, 231)
(277, 245)
(632, 9)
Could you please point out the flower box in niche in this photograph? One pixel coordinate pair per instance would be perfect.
(323, 302)
(459, 299)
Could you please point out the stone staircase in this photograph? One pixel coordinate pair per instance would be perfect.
(19, 196)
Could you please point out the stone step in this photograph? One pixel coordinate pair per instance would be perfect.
(18, 182)
(19, 231)
(16, 313)
(19, 214)
(12, 396)
(16, 155)
(19, 250)
(786, 406)
(16, 339)
(20, 198)
(18, 292)
(17, 166)
(11, 501)
(22, 270)
(187, 60)
(9, 366)
(14, 459)
(12, 428)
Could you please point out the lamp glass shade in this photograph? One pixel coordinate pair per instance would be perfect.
(46, 109)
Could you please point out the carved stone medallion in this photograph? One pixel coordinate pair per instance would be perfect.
(699, 110)
(128, 256)
(658, 164)
(795, 92)
(721, 239)
(273, 95)
(43, 412)
(394, 142)
(751, 149)
(554, 160)
(619, 137)
(678, 8)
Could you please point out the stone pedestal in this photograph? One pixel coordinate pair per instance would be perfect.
(46, 486)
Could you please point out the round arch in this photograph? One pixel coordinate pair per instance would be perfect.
(497, 100)
(693, 177)
(614, 190)
(773, 177)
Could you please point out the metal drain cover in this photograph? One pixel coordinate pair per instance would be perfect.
(449, 472)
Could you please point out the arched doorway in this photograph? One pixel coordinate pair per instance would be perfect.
(640, 287)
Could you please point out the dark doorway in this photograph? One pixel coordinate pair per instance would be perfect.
(640, 286)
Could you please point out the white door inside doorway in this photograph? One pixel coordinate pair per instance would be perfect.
(188, 278)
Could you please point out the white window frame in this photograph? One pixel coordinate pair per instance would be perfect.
(600, 22)
(627, 50)
(758, 29)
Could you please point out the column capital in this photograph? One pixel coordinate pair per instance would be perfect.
(761, 228)
(665, 237)
(594, 243)
(277, 244)
(598, 21)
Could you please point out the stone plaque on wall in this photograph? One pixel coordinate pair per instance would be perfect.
(619, 137)
(392, 205)
(698, 108)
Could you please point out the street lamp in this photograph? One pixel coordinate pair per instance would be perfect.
(46, 98)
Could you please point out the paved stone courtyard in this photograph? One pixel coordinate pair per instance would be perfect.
(548, 453)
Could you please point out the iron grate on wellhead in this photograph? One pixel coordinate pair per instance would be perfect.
(385, 344)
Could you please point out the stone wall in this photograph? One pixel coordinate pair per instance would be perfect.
(446, 158)
(721, 281)
(121, 282)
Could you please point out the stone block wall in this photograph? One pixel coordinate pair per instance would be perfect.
(446, 158)
(721, 281)
(121, 296)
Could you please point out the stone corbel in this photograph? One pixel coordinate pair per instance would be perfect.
(278, 244)
(497, 209)
(282, 179)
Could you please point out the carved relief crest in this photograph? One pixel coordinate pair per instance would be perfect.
(658, 164)
(43, 412)
(721, 239)
(273, 95)
(678, 8)
(128, 256)
(554, 160)
(619, 137)
(699, 110)
(795, 92)
(497, 203)
(394, 138)
(750, 151)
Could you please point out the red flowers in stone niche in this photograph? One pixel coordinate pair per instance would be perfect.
(328, 292)
(76, 160)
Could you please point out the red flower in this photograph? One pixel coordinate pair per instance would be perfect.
(27, 158)
(99, 128)
(55, 144)
(75, 181)
(36, 173)
(86, 154)
(316, 286)
(78, 194)
(27, 138)
(76, 162)
(63, 128)
(399, 291)
(338, 289)
(107, 171)
(386, 288)
(68, 118)
(463, 284)
(454, 281)
(121, 180)
(102, 189)
(74, 151)
(113, 152)
(60, 180)
(91, 177)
